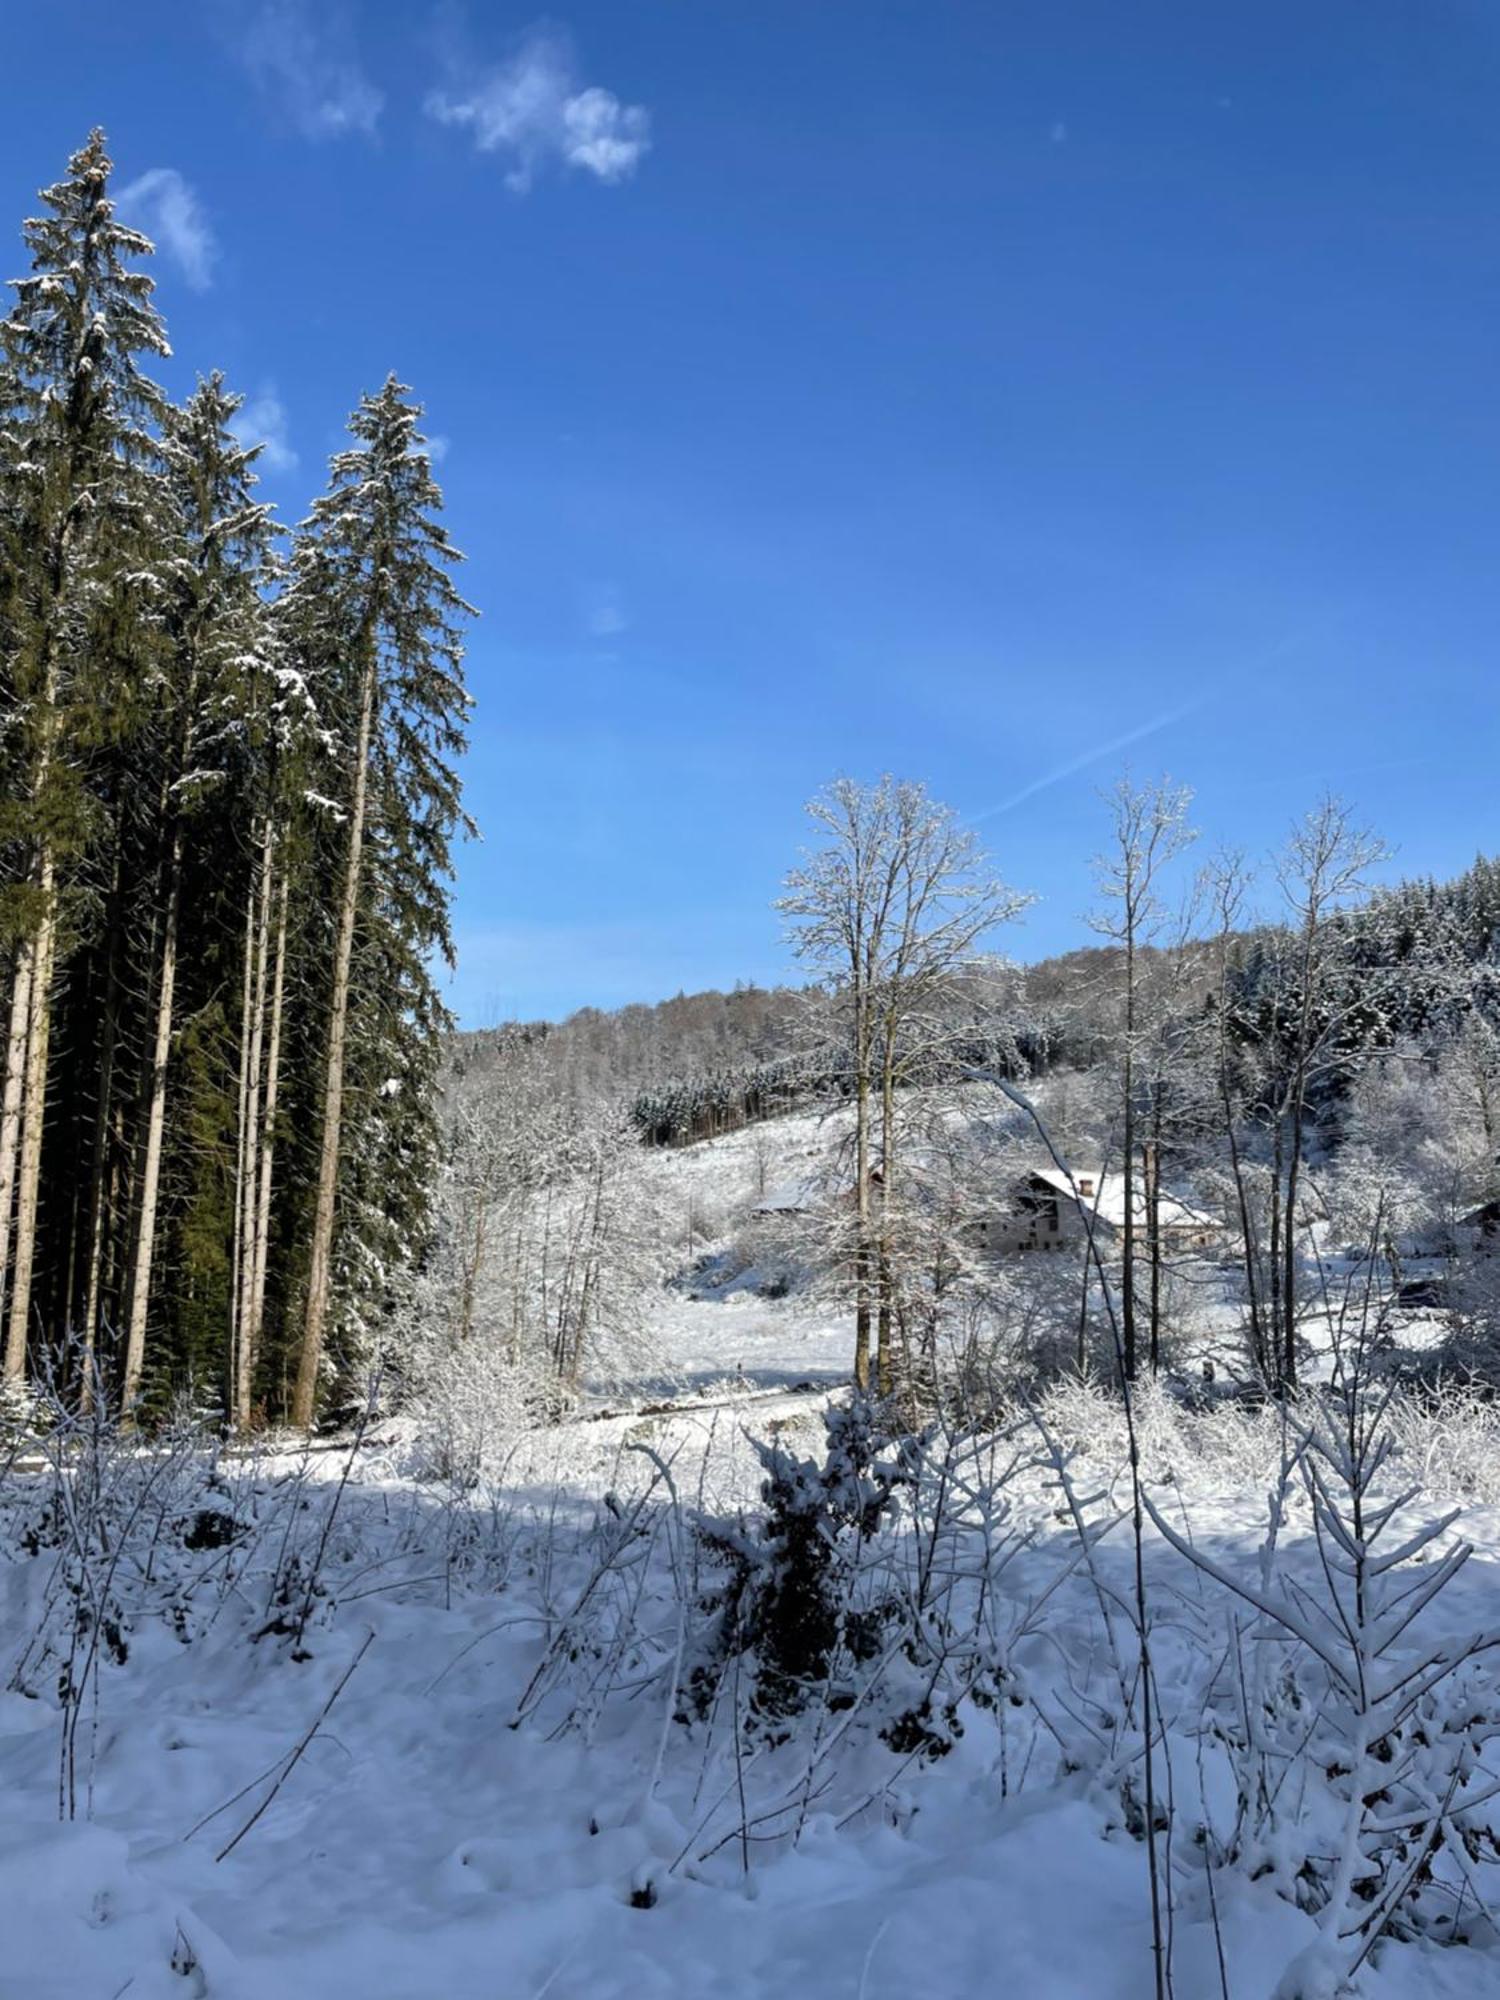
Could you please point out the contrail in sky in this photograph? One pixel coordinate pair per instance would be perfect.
(1087, 757)
(1145, 729)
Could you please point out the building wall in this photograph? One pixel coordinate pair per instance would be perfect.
(1055, 1223)
(1051, 1224)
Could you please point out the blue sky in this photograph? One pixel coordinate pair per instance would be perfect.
(959, 389)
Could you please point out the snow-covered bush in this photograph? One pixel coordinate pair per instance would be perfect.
(765, 1254)
(1375, 1203)
(1448, 1440)
(1471, 1351)
(548, 1245)
(794, 1592)
(470, 1400)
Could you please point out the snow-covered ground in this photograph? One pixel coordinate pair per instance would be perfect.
(737, 1341)
(396, 1742)
(423, 1848)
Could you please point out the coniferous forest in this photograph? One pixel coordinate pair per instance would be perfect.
(227, 805)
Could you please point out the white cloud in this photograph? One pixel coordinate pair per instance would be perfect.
(437, 447)
(163, 204)
(532, 112)
(262, 421)
(303, 57)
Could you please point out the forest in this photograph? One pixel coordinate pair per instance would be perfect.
(230, 795)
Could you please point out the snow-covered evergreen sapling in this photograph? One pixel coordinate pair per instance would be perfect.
(788, 1592)
(1395, 1716)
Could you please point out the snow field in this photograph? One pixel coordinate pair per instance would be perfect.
(421, 1845)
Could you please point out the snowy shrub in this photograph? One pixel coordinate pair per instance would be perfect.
(1372, 1203)
(873, 1594)
(764, 1256)
(1238, 1438)
(107, 1513)
(549, 1243)
(1449, 1440)
(470, 1402)
(1012, 1334)
(789, 1593)
(1470, 1353)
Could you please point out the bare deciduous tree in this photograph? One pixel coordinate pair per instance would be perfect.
(1327, 862)
(889, 911)
(1149, 831)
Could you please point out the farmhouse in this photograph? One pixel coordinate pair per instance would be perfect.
(1481, 1225)
(1046, 1209)
(1476, 1232)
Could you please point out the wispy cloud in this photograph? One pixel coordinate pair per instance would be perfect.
(605, 615)
(1243, 671)
(165, 207)
(304, 59)
(263, 421)
(534, 113)
(1094, 755)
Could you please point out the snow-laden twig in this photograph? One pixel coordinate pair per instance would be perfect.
(295, 1757)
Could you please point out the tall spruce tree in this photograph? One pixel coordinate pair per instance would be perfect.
(85, 505)
(378, 618)
(209, 690)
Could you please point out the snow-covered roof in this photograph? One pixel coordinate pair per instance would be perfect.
(1106, 1199)
(790, 1198)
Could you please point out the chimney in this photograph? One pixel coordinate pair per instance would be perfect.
(1086, 1188)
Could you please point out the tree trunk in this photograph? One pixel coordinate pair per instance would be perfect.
(1127, 1272)
(1264, 1361)
(38, 1038)
(139, 1288)
(885, 1365)
(862, 1227)
(320, 1266)
(243, 1086)
(1153, 1177)
(11, 1098)
(1289, 1253)
(1294, 1169)
(247, 1149)
(99, 1178)
(260, 1248)
(1281, 1339)
(473, 1262)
